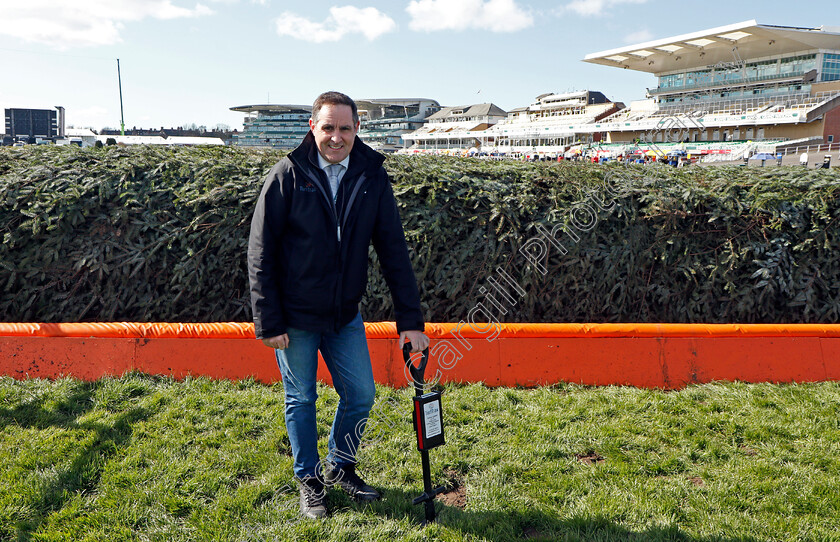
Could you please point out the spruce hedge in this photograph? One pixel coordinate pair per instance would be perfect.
(160, 234)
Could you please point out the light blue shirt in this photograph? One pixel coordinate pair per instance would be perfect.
(323, 164)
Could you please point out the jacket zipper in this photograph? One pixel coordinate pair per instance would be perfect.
(338, 221)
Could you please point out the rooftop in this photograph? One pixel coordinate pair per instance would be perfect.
(747, 39)
(477, 110)
(396, 101)
(272, 108)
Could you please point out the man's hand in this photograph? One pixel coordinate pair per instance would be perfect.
(419, 341)
(280, 341)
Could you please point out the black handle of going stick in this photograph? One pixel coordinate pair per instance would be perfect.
(417, 372)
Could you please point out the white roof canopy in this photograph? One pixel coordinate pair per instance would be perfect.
(724, 44)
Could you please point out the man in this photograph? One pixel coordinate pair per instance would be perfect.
(320, 208)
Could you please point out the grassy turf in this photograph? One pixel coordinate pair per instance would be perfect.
(148, 458)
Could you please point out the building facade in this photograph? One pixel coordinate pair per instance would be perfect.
(548, 125)
(273, 126)
(385, 121)
(455, 128)
(745, 81)
(30, 125)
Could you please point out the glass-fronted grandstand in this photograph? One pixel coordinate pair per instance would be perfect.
(384, 121)
(273, 126)
(746, 81)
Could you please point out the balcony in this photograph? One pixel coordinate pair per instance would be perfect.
(711, 85)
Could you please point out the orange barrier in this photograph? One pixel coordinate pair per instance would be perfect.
(388, 330)
(644, 355)
(132, 330)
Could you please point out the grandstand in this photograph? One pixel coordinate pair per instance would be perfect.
(548, 123)
(737, 83)
(384, 121)
(721, 93)
(546, 126)
(454, 128)
(278, 126)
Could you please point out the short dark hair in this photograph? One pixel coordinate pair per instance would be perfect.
(334, 98)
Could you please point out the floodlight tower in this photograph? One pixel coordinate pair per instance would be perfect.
(122, 118)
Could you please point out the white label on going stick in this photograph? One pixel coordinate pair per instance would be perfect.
(431, 414)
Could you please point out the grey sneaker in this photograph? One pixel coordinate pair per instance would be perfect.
(347, 479)
(313, 498)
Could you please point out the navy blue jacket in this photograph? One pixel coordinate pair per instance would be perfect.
(301, 275)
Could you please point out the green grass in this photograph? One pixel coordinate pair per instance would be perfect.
(148, 458)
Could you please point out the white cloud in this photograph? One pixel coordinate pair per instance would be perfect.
(83, 22)
(493, 15)
(597, 7)
(639, 36)
(90, 117)
(341, 21)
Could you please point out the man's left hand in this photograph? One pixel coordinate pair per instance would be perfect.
(419, 341)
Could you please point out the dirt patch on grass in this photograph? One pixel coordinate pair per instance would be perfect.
(531, 533)
(456, 493)
(456, 497)
(590, 458)
(696, 480)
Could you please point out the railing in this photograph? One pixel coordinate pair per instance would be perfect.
(816, 99)
(815, 148)
(626, 115)
(799, 100)
(548, 122)
(744, 105)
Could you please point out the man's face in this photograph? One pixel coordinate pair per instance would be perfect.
(334, 132)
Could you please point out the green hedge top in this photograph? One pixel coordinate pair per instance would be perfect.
(160, 234)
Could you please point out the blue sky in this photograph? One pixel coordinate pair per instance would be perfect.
(187, 62)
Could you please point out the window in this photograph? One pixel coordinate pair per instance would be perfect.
(797, 64)
(671, 81)
(701, 77)
(766, 68)
(830, 67)
(830, 139)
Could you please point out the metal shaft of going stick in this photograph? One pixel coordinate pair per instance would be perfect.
(429, 493)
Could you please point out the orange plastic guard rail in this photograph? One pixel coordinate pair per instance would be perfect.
(384, 330)
(644, 355)
(132, 330)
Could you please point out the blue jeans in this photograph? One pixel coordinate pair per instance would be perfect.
(348, 360)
